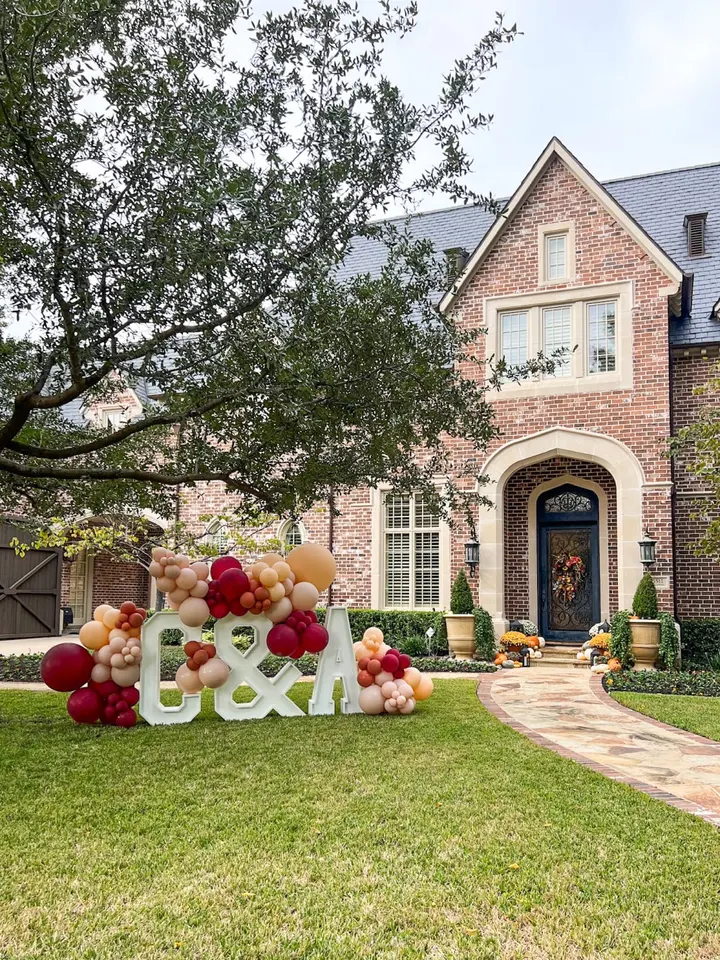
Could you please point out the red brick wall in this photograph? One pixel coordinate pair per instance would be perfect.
(112, 582)
(517, 494)
(698, 587)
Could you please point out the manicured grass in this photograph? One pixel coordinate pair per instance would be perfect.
(697, 714)
(440, 835)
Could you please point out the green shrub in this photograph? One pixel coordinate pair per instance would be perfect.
(703, 684)
(420, 646)
(700, 640)
(645, 602)
(620, 639)
(484, 635)
(461, 598)
(669, 651)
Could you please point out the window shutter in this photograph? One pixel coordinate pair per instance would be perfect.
(695, 226)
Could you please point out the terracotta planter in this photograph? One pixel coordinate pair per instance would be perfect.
(645, 643)
(461, 634)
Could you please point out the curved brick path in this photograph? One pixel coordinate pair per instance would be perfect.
(569, 712)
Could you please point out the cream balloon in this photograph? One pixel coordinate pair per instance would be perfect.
(101, 611)
(257, 568)
(186, 579)
(118, 633)
(272, 558)
(110, 617)
(374, 634)
(194, 612)
(280, 611)
(314, 564)
(126, 676)
(94, 635)
(100, 673)
(424, 688)
(277, 592)
(178, 596)
(371, 700)
(305, 596)
(214, 673)
(202, 572)
(282, 569)
(268, 577)
(188, 680)
(200, 589)
(361, 651)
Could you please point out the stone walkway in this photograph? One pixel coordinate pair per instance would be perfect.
(569, 712)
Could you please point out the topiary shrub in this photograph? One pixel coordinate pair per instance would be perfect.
(669, 651)
(461, 598)
(620, 639)
(645, 602)
(484, 635)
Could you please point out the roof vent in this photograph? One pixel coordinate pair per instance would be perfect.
(457, 258)
(695, 227)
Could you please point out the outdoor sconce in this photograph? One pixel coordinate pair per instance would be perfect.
(647, 550)
(472, 555)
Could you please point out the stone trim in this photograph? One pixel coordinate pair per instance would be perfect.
(485, 696)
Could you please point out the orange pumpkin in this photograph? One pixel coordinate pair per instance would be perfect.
(500, 658)
(532, 642)
(614, 665)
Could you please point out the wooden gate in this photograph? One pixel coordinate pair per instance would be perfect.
(29, 588)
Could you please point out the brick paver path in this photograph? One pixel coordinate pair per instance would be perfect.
(569, 712)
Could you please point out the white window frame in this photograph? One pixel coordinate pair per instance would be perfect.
(285, 528)
(588, 307)
(412, 530)
(563, 367)
(115, 417)
(217, 536)
(378, 553)
(546, 232)
(576, 298)
(506, 315)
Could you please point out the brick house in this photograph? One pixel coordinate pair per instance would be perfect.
(626, 276)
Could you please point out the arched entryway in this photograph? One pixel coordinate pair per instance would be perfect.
(568, 568)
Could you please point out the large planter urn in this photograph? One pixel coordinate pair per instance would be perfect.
(461, 634)
(645, 635)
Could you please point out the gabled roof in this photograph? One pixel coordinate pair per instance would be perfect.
(556, 150)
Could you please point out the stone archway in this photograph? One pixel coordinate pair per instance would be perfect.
(613, 455)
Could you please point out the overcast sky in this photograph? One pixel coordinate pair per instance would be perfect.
(630, 86)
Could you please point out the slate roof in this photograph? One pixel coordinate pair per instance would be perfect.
(659, 203)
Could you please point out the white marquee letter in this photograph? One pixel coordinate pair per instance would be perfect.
(151, 708)
(336, 662)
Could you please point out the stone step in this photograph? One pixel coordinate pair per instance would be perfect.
(558, 661)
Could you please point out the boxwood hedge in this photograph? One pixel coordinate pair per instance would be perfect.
(700, 684)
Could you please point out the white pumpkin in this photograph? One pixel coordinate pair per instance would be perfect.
(541, 641)
(538, 654)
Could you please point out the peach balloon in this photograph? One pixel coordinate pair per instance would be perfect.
(389, 689)
(279, 612)
(214, 673)
(272, 558)
(158, 553)
(101, 611)
(126, 676)
(134, 632)
(117, 643)
(186, 579)
(371, 700)
(360, 650)
(165, 584)
(277, 592)
(404, 689)
(202, 571)
(304, 596)
(117, 660)
(172, 570)
(200, 589)
(182, 561)
(424, 688)
(194, 612)
(314, 564)
(408, 706)
(383, 677)
(282, 569)
(412, 677)
(268, 577)
(177, 595)
(94, 635)
(188, 680)
(374, 634)
(288, 585)
(382, 650)
(256, 569)
(173, 605)
(100, 673)
(103, 655)
(155, 569)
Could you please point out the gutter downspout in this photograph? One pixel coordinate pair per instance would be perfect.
(331, 536)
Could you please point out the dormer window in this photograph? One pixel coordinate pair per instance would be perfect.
(556, 252)
(114, 418)
(695, 228)
(556, 256)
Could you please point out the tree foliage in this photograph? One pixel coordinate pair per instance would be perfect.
(180, 182)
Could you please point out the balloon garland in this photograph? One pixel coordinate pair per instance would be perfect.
(390, 684)
(103, 671)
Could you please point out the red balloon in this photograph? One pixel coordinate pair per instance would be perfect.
(282, 640)
(390, 662)
(233, 583)
(222, 564)
(362, 664)
(312, 615)
(298, 652)
(399, 673)
(135, 620)
(394, 651)
(365, 679)
(374, 667)
(128, 718)
(315, 638)
(66, 667)
(405, 661)
(122, 705)
(109, 714)
(210, 649)
(191, 647)
(191, 664)
(200, 657)
(113, 699)
(128, 607)
(105, 689)
(131, 695)
(85, 705)
(219, 609)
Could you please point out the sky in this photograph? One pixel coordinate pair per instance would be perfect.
(630, 86)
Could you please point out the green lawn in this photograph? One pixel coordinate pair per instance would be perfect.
(440, 835)
(697, 714)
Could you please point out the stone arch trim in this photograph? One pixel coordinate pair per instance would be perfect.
(620, 462)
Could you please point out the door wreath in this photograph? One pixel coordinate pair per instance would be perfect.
(568, 577)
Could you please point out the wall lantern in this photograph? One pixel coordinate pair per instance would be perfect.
(472, 555)
(647, 550)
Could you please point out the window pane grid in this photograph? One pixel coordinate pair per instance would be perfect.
(412, 552)
(514, 338)
(601, 337)
(555, 257)
(556, 333)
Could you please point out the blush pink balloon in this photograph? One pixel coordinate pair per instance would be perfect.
(280, 611)
(214, 673)
(178, 596)
(288, 584)
(194, 612)
(186, 579)
(383, 677)
(188, 680)
(117, 660)
(371, 700)
(100, 672)
(391, 706)
(389, 689)
(200, 589)
(404, 689)
(126, 676)
(408, 706)
(165, 584)
(117, 643)
(172, 570)
(103, 654)
(304, 596)
(202, 570)
(155, 569)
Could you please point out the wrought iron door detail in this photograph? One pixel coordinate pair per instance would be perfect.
(571, 610)
(568, 502)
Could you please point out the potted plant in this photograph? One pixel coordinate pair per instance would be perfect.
(645, 624)
(460, 622)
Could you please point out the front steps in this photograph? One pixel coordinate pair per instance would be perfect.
(561, 655)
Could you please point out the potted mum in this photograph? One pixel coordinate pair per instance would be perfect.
(645, 624)
(460, 622)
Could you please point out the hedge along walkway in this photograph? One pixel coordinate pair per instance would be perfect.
(569, 712)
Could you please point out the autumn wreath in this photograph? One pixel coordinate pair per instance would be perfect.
(568, 577)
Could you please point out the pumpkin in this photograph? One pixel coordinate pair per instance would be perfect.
(614, 665)
(516, 663)
(533, 642)
(501, 658)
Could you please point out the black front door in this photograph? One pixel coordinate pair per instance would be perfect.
(568, 568)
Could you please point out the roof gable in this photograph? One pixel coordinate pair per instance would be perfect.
(555, 149)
